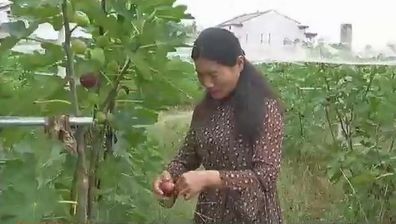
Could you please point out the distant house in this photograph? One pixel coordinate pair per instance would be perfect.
(267, 29)
(5, 11)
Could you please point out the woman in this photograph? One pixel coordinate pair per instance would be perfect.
(236, 133)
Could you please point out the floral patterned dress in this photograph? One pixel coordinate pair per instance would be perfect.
(248, 174)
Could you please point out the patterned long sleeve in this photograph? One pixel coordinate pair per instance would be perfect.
(266, 156)
(187, 158)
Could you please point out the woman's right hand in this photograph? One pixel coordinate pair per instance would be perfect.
(164, 177)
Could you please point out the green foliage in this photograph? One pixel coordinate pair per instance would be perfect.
(128, 53)
(344, 116)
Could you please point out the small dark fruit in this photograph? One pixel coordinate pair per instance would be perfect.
(168, 188)
(89, 80)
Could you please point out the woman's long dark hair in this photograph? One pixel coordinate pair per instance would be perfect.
(252, 89)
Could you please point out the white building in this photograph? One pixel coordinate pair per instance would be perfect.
(267, 28)
(269, 34)
(5, 11)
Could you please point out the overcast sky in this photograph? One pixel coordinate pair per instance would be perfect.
(374, 21)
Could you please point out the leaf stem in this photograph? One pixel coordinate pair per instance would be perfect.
(113, 92)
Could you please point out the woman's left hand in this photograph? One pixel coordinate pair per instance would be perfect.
(192, 183)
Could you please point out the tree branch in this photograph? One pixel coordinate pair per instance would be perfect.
(372, 76)
(329, 124)
(342, 122)
(97, 137)
(81, 181)
(300, 116)
(74, 28)
(113, 92)
(343, 127)
(350, 131)
(69, 60)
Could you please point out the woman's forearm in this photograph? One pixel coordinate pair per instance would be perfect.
(212, 179)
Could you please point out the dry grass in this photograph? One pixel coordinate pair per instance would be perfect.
(308, 196)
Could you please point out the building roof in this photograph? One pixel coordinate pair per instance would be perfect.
(239, 20)
(4, 3)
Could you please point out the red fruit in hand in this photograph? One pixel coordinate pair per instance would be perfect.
(168, 187)
(89, 80)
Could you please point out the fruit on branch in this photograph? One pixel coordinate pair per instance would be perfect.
(78, 46)
(101, 117)
(89, 80)
(102, 41)
(81, 19)
(168, 187)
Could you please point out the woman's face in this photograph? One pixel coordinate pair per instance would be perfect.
(218, 80)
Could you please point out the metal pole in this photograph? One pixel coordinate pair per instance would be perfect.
(7, 121)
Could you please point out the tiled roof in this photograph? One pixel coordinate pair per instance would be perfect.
(239, 20)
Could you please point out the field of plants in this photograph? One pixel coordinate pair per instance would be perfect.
(339, 155)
